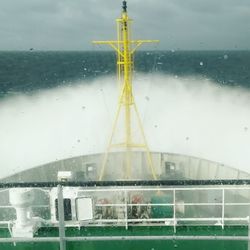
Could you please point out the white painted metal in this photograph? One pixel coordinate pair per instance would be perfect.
(65, 176)
(126, 208)
(68, 193)
(61, 218)
(84, 208)
(218, 213)
(131, 238)
(174, 210)
(25, 225)
(190, 167)
(85, 198)
(223, 207)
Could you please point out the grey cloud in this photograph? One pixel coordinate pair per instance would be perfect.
(71, 25)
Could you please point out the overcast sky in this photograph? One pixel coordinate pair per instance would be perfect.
(72, 24)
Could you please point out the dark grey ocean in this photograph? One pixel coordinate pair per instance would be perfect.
(25, 72)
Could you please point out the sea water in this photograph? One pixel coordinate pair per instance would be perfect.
(55, 105)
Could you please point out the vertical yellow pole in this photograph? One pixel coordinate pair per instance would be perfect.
(125, 52)
(128, 89)
(118, 54)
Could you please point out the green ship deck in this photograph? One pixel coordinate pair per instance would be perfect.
(149, 238)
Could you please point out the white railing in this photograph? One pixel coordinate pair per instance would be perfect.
(184, 205)
(201, 213)
(156, 206)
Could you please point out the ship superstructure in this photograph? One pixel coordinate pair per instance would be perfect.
(164, 200)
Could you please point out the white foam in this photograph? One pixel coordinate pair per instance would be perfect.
(189, 116)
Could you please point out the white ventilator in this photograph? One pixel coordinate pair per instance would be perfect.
(21, 199)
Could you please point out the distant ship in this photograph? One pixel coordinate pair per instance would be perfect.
(127, 197)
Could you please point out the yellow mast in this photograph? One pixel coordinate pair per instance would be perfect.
(125, 49)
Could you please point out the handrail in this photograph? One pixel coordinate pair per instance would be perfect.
(130, 238)
(125, 218)
(173, 204)
(221, 182)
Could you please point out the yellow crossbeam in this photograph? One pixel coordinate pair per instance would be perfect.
(121, 42)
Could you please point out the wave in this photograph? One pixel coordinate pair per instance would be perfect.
(191, 115)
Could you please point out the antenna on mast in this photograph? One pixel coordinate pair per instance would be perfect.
(125, 49)
(124, 6)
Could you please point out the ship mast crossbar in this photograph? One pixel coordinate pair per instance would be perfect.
(125, 48)
(114, 44)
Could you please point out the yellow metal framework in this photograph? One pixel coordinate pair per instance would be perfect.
(125, 49)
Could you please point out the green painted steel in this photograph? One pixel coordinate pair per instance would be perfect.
(137, 244)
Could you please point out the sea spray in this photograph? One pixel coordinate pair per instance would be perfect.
(191, 115)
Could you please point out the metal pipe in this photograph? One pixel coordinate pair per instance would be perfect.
(61, 217)
(119, 238)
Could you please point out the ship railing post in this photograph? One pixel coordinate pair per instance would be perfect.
(174, 208)
(126, 208)
(61, 217)
(223, 208)
(248, 228)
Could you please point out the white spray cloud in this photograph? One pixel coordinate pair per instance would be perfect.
(199, 118)
(181, 115)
